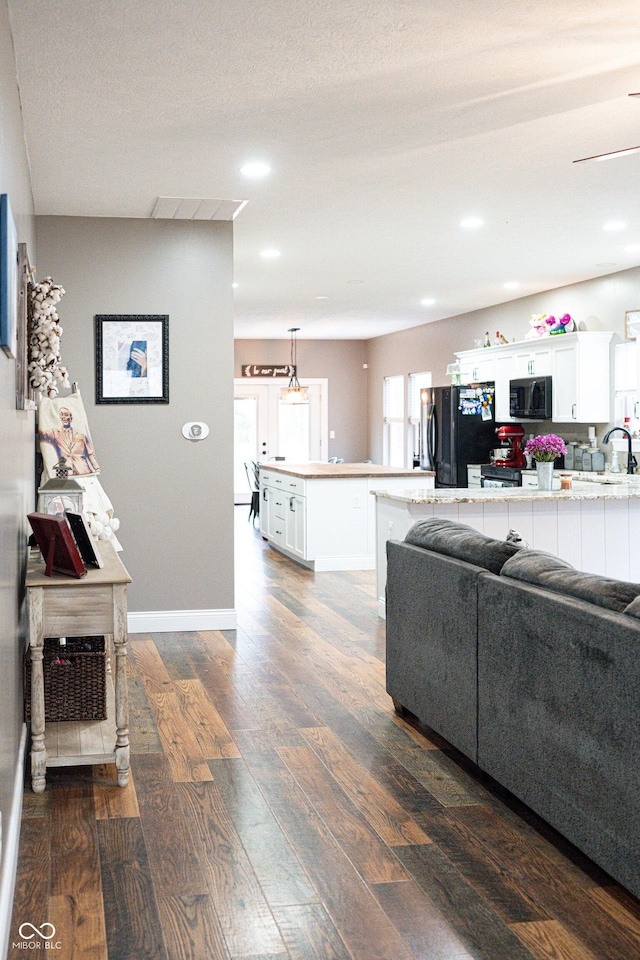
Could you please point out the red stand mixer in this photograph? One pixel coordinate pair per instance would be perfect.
(512, 435)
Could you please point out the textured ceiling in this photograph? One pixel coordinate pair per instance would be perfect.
(385, 123)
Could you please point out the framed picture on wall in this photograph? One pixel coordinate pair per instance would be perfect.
(631, 323)
(132, 358)
(8, 278)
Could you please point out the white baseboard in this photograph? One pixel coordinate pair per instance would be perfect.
(326, 564)
(167, 621)
(382, 608)
(10, 843)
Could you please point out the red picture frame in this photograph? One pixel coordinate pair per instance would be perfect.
(55, 539)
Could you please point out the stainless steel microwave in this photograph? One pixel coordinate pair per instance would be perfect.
(530, 398)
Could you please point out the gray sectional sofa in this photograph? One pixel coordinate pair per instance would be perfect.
(532, 670)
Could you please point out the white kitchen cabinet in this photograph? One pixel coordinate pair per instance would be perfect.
(474, 475)
(581, 384)
(277, 506)
(323, 515)
(505, 372)
(478, 366)
(295, 524)
(264, 511)
(533, 359)
(530, 481)
(577, 362)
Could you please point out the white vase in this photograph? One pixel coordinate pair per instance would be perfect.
(544, 471)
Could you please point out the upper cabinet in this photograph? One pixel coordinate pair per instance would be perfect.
(477, 366)
(577, 362)
(581, 387)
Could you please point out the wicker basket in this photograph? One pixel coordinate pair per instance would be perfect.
(76, 688)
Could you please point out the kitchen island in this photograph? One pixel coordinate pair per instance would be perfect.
(595, 526)
(323, 515)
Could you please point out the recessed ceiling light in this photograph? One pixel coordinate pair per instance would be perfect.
(255, 169)
(632, 248)
(611, 226)
(427, 302)
(355, 281)
(511, 285)
(472, 223)
(607, 265)
(234, 285)
(270, 254)
(322, 298)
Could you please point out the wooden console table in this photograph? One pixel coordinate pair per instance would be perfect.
(61, 606)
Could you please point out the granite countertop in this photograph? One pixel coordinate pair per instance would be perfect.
(622, 491)
(340, 471)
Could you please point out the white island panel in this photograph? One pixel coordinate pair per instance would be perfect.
(616, 533)
(496, 519)
(569, 536)
(595, 529)
(593, 537)
(545, 528)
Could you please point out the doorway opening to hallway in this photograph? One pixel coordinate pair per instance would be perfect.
(266, 428)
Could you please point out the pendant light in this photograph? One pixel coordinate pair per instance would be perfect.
(294, 393)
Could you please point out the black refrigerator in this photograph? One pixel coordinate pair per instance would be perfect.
(457, 427)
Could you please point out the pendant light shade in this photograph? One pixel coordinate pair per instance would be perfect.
(293, 392)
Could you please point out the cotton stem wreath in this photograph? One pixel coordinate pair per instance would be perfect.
(46, 375)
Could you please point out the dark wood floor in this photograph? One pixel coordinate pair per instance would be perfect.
(279, 808)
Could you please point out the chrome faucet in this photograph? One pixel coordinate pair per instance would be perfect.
(632, 463)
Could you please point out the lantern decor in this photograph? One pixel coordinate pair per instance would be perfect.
(294, 393)
(61, 493)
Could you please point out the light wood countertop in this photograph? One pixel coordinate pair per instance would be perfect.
(341, 471)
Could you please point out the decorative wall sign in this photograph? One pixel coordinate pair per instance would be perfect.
(631, 324)
(132, 359)
(262, 370)
(8, 278)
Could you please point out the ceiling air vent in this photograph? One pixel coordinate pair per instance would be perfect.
(186, 208)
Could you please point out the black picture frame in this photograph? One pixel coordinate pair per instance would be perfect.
(132, 358)
(84, 540)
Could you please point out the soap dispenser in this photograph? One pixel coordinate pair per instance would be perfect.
(615, 463)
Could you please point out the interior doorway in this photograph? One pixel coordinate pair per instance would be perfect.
(265, 427)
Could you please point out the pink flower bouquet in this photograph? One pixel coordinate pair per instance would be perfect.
(545, 448)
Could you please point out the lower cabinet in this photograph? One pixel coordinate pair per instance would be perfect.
(295, 525)
(326, 524)
(277, 501)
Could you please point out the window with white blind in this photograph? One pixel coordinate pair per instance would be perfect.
(417, 383)
(393, 415)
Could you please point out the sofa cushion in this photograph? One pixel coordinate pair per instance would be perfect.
(633, 610)
(462, 542)
(544, 570)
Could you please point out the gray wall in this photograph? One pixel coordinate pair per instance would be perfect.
(174, 497)
(341, 362)
(595, 305)
(16, 480)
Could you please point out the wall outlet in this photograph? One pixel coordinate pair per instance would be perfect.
(332, 434)
(357, 501)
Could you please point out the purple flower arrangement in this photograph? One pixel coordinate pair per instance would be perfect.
(545, 448)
